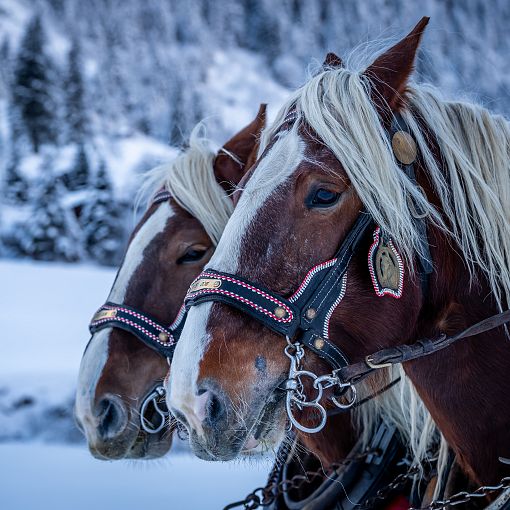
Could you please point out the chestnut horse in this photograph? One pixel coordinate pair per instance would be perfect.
(400, 198)
(167, 250)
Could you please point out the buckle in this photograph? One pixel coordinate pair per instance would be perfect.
(371, 364)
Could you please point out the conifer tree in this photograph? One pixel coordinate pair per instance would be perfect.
(48, 234)
(101, 223)
(33, 87)
(78, 177)
(15, 186)
(76, 116)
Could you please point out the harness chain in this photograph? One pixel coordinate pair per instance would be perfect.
(270, 493)
(266, 496)
(463, 497)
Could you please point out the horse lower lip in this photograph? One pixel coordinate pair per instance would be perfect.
(251, 443)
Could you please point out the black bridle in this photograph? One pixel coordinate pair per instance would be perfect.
(303, 318)
(155, 335)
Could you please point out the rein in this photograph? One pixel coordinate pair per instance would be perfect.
(160, 338)
(356, 372)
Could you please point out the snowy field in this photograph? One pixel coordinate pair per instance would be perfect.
(44, 314)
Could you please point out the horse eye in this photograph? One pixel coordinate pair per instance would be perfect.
(323, 197)
(191, 255)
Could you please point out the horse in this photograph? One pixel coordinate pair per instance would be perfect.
(376, 217)
(119, 395)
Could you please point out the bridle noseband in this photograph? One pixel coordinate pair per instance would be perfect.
(304, 317)
(160, 338)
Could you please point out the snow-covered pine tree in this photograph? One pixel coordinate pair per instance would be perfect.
(186, 107)
(76, 113)
(33, 88)
(102, 226)
(78, 176)
(15, 186)
(49, 233)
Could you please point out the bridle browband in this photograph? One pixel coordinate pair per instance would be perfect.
(159, 337)
(303, 318)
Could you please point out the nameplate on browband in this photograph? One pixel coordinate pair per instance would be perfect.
(104, 314)
(205, 283)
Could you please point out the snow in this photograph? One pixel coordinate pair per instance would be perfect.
(39, 477)
(237, 82)
(43, 462)
(44, 316)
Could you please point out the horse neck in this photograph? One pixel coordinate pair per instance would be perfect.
(334, 442)
(465, 387)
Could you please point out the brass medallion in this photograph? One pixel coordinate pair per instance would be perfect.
(404, 147)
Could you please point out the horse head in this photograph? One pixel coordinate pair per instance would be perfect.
(118, 400)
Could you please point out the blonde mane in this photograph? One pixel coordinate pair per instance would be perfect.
(473, 188)
(192, 183)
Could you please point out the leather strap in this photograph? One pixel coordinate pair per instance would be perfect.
(161, 339)
(391, 356)
(305, 315)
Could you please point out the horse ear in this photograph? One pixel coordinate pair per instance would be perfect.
(332, 60)
(391, 70)
(239, 153)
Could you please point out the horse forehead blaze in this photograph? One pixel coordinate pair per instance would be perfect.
(278, 164)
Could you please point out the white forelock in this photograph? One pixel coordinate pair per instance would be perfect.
(191, 180)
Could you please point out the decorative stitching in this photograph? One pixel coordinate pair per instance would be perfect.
(242, 299)
(343, 290)
(138, 316)
(139, 327)
(382, 291)
(307, 279)
(246, 286)
(171, 339)
(178, 319)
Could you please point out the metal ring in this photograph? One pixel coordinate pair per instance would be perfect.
(153, 397)
(295, 422)
(351, 402)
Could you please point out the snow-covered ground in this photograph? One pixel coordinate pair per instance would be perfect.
(40, 477)
(44, 312)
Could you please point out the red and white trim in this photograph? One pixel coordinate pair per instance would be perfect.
(309, 276)
(288, 318)
(343, 290)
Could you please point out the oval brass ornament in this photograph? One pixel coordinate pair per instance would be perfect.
(404, 147)
(385, 266)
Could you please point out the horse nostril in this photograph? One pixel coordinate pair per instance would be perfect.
(208, 406)
(112, 418)
(214, 409)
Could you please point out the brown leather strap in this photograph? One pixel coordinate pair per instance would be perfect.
(402, 353)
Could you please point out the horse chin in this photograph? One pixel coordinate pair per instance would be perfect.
(263, 436)
(150, 446)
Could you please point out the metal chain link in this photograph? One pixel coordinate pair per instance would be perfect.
(266, 496)
(397, 483)
(463, 497)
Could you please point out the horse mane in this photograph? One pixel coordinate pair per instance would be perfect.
(192, 183)
(473, 186)
(471, 180)
(402, 407)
